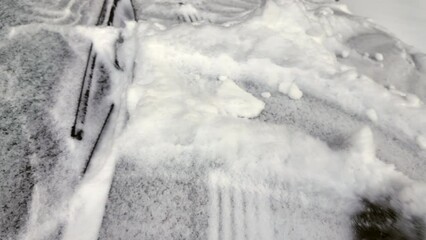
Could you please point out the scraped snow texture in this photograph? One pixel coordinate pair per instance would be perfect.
(188, 107)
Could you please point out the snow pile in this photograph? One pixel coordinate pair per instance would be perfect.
(291, 90)
(188, 106)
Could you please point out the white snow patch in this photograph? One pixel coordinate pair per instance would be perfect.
(294, 92)
(222, 78)
(86, 208)
(103, 40)
(421, 142)
(345, 53)
(291, 90)
(379, 57)
(266, 94)
(237, 102)
(413, 101)
(372, 115)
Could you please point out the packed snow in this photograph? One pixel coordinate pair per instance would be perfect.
(250, 120)
(189, 105)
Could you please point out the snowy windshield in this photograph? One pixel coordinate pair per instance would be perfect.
(210, 119)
